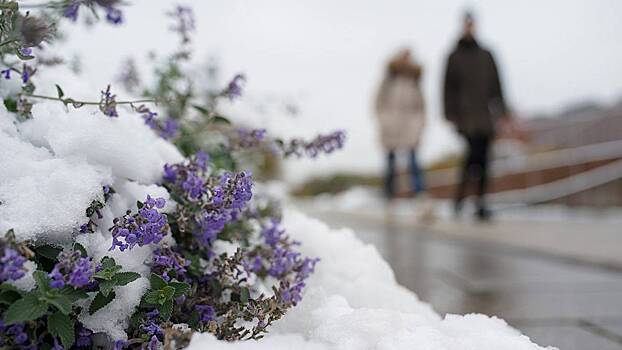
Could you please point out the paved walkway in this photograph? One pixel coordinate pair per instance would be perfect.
(559, 281)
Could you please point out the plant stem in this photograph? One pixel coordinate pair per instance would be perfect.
(7, 42)
(90, 102)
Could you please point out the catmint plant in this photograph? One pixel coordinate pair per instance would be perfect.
(194, 284)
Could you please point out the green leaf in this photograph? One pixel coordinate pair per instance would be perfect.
(61, 302)
(59, 91)
(157, 282)
(201, 109)
(48, 251)
(108, 262)
(123, 278)
(167, 293)
(109, 269)
(79, 247)
(180, 288)
(73, 294)
(139, 204)
(219, 120)
(9, 297)
(10, 104)
(152, 297)
(105, 287)
(26, 309)
(166, 309)
(193, 321)
(244, 295)
(100, 301)
(42, 280)
(62, 326)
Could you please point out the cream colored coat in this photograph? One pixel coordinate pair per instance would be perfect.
(400, 112)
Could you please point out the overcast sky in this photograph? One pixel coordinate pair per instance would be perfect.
(328, 57)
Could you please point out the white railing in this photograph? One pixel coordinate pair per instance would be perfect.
(539, 161)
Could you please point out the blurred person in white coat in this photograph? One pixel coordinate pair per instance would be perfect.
(400, 110)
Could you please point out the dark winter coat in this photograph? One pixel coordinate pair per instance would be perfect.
(472, 94)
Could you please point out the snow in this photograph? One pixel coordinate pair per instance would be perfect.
(352, 301)
(27, 282)
(53, 166)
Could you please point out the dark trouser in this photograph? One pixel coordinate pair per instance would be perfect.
(416, 175)
(475, 167)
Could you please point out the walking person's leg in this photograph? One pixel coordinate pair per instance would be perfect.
(484, 143)
(389, 181)
(416, 175)
(467, 169)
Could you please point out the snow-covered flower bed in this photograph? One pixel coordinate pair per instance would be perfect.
(125, 229)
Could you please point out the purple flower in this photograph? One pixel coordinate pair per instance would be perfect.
(234, 88)
(72, 269)
(84, 337)
(114, 15)
(12, 265)
(167, 262)
(283, 262)
(71, 11)
(166, 129)
(27, 72)
(26, 51)
(206, 312)
(320, 144)
(194, 186)
(108, 103)
(201, 159)
(272, 234)
(120, 344)
(17, 332)
(185, 22)
(146, 227)
(6, 73)
(248, 138)
(170, 173)
(169, 129)
(294, 294)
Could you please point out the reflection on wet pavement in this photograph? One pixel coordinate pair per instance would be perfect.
(554, 301)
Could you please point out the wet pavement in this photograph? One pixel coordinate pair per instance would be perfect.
(566, 303)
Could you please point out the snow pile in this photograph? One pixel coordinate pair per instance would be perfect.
(353, 302)
(53, 166)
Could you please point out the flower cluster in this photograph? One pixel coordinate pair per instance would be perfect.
(25, 74)
(145, 227)
(113, 14)
(249, 138)
(234, 88)
(167, 129)
(15, 335)
(72, 269)
(277, 259)
(184, 18)
(12, 265)
(229, 268)
(320, 144)
(219, 198)
(169, 264)
(108, 103)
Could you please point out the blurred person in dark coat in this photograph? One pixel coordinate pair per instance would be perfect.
(473, 101)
